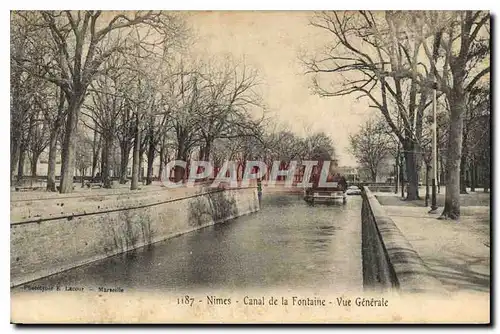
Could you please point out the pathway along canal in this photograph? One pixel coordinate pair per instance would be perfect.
(287, 244)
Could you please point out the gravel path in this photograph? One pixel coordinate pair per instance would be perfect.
(457, 252)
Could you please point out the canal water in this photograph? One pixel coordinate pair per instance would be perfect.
(287, 244)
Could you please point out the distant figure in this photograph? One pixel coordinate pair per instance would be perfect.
(97, 177)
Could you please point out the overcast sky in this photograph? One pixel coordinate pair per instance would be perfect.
(270, 42)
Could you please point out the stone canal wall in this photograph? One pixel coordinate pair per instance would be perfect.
(45, 244)
(389, 260)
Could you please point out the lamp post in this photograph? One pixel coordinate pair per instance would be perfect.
(434, 150)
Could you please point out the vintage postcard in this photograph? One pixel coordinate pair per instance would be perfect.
(219, 167)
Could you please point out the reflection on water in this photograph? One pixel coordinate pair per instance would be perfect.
(286, 244)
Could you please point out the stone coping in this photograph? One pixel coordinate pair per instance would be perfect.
(412, 274)
(129, 206)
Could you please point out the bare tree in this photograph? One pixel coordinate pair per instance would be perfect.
(39, 139)
(107, 101)
(25, 43)
(371, 146)
(143, 97)
(319, 146)
(54, 117)
(125, 135)
(475, 136)
(372, 56)
(80, 43)
(184, 89)
(464, 40)
(84, 153)
(229, 97)
(154, 129)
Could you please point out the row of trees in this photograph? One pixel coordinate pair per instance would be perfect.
(120, 78)
(396, 60)
(275, 144)
(66, 52)
(375, 147)
(96, 88)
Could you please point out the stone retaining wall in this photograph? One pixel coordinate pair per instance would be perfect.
(49, 245)
(389, 260)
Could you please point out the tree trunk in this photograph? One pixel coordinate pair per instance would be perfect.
(17, 107)
(68, 154)
(15, 151)
(124, 156)
(401, 176)
(473, 176)
(141, 165)
(102, 159)
(82, 177)
(411, 171)
(438, 167)
(373, 174)
(22, 157)
(51, 170)
(163, 153)
(134, 184)
(427, 172)
(105, 159)
(178, 173)
(486, 177)
(442, 173)
(438, 175)
(96, 149)
(151, 158)
(453, 160)
(207, 149)
(463, 162)
(463, 175)
(181, 155)
(396, 174)
(34, 162)
(201, 153)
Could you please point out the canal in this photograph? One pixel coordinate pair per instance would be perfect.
(287, 244)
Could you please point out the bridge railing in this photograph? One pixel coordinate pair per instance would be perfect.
(389, 260)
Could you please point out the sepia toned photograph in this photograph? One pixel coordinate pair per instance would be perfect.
(250, 167)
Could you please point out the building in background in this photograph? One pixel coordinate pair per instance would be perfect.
(350, 173)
